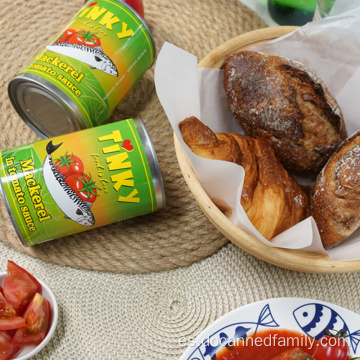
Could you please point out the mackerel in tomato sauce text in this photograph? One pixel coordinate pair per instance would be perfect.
(85, 71)
(70, 183)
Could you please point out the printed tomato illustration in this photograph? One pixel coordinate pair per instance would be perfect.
(65, 36)
(68, 165)
(84, 186)
(85, 38)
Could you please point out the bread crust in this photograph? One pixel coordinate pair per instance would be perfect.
(335, 201)
(283, 100)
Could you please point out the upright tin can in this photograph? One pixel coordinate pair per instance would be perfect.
(70, 183)
(86, 71)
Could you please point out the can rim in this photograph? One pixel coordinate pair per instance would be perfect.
(156, 172)
(45, 88)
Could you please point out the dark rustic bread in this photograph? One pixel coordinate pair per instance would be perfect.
(274, 97)
(335, 202)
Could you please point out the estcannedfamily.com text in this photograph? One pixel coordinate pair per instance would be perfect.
(271, 340)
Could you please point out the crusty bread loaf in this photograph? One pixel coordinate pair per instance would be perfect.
(335, 202)
(283, 100)
(271, 198)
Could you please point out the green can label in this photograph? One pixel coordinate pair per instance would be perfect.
(71, 183)
(97, 58)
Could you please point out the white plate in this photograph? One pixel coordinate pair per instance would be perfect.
(306, 316)
(30, 350)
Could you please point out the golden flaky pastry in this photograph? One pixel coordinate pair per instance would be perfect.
(271, 198)
(335, 202)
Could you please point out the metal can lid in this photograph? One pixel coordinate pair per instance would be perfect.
(153, 162)
(46, 110)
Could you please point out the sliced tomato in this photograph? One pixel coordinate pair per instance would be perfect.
(7, 349)
(84, 186)
(9, 320)
(86, 38)
(37, 318)
(16, 322)
(137, 5)
(19, 287)
(6, 309)
(68, 165)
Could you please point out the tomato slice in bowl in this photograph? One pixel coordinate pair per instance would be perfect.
(19, 287)
(37, 318)
(9, 320)
(28, 351)
(7, 350)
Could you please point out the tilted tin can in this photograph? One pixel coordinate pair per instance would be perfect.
(71, 183)
(86, 71)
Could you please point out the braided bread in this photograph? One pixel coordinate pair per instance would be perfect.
(271, 198)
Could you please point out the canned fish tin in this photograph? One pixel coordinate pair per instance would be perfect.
(70, 183)
(86, 71)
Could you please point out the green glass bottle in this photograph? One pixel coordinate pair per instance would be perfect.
(292, 12)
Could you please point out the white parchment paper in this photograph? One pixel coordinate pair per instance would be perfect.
(330, 48)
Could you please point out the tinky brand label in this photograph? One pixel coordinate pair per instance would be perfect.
(57, 187)
(97, 58)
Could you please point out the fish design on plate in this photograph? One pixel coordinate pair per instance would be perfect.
(314, 318)
(240, 332)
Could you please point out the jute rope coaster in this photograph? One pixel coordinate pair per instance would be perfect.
(176, 236)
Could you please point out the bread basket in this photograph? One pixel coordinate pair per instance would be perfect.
(297, 260)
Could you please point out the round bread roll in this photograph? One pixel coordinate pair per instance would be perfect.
(335, 201)
(281, 99)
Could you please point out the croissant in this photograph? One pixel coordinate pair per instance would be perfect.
(271, 198)
(335, 201)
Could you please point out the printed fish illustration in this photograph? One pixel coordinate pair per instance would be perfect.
(313, 318)
(64, 196)
(94, 58)
(241, 332)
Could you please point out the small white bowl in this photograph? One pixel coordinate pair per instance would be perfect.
(28, 351)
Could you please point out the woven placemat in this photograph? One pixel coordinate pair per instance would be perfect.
(157, 315)
(176, 236)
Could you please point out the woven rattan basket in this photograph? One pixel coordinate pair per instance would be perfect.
(298, 260)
